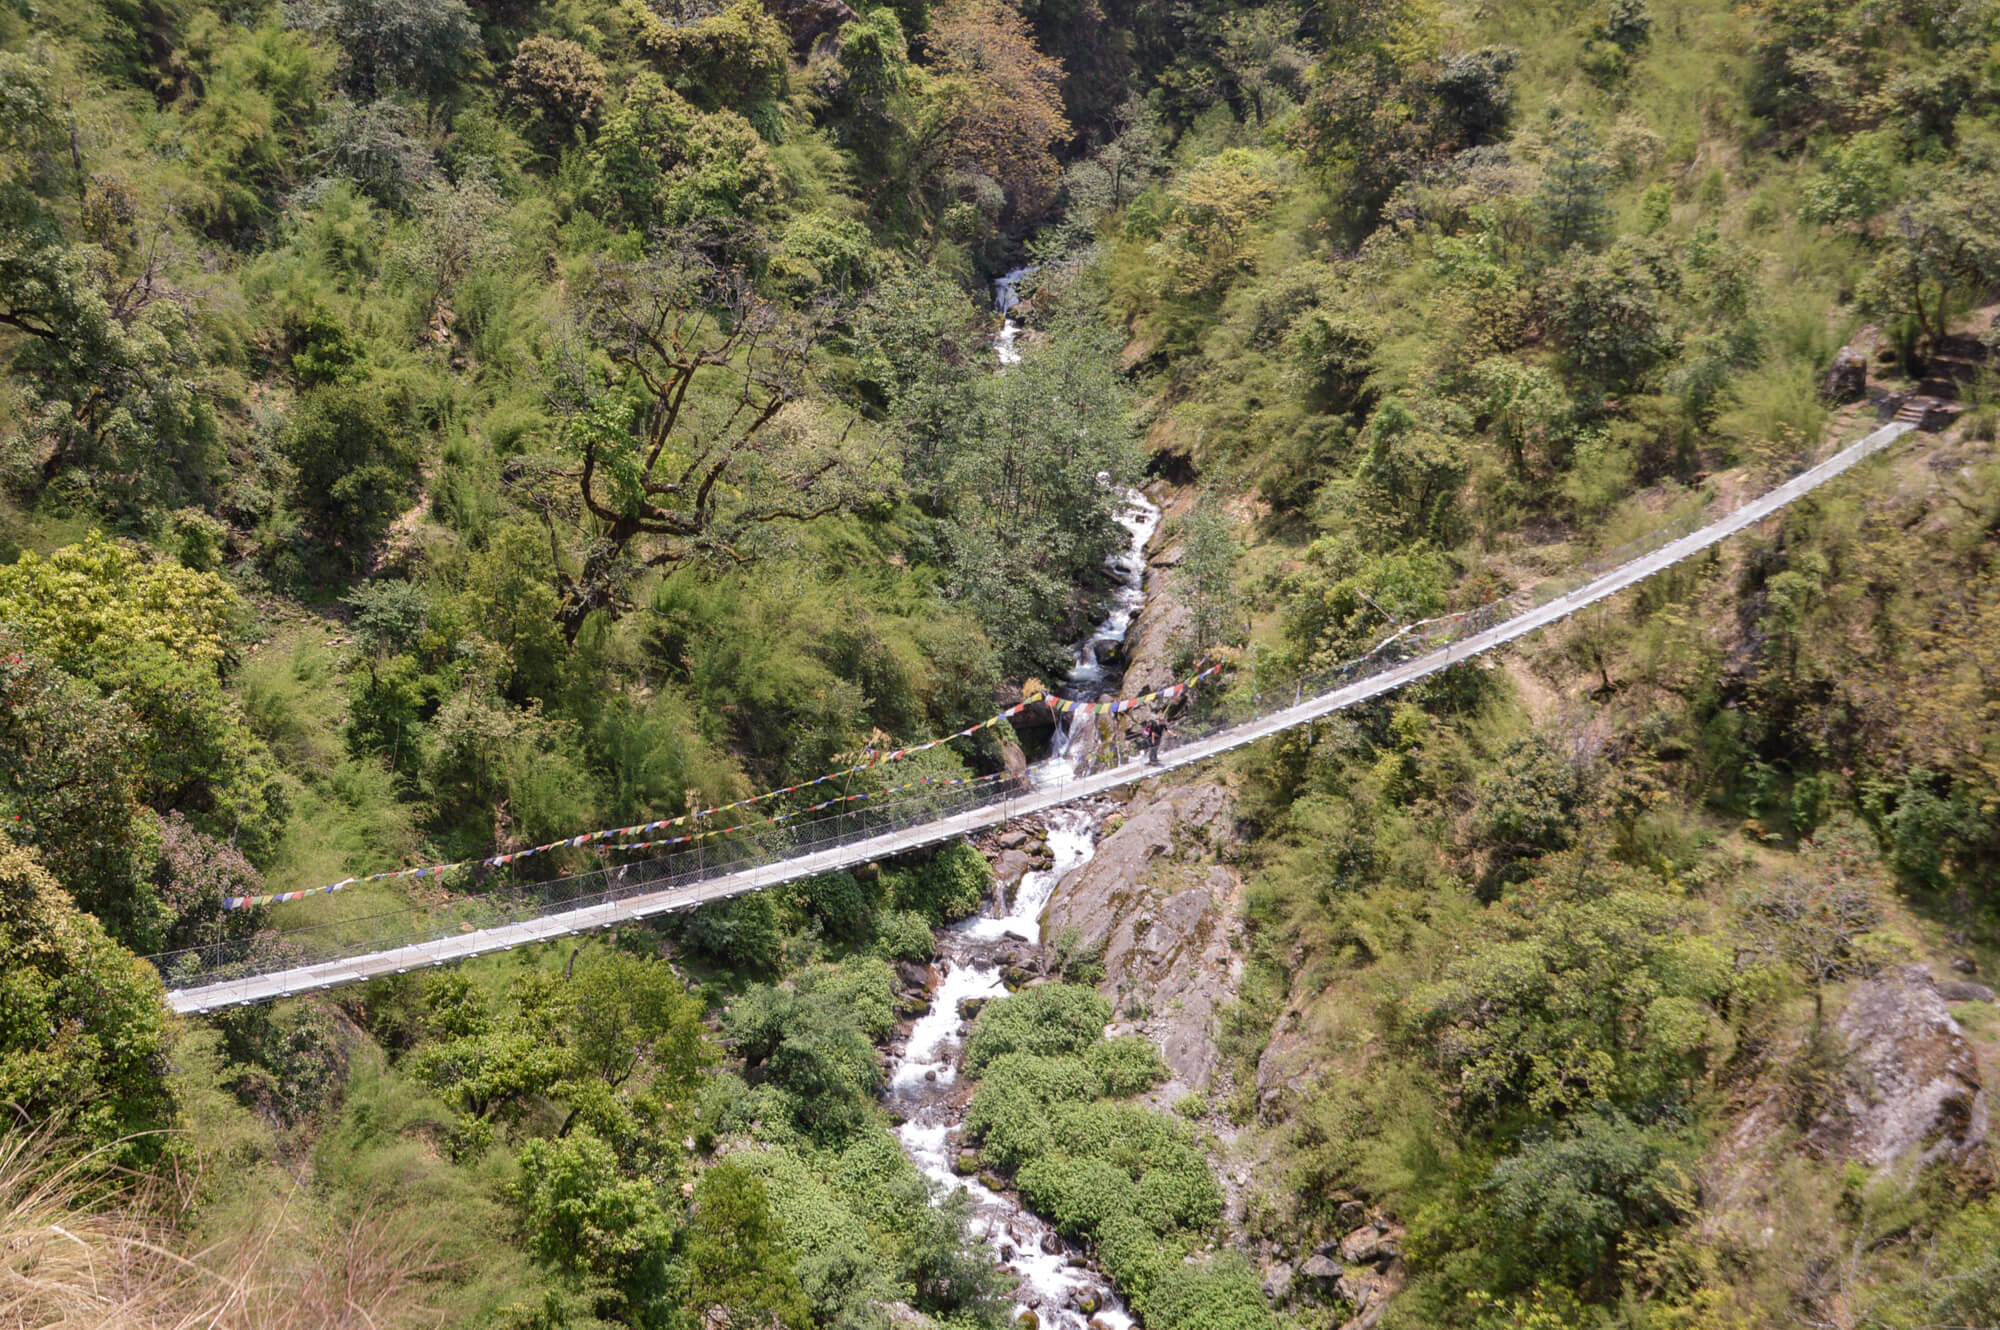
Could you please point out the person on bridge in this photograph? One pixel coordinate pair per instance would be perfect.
(1154, 732)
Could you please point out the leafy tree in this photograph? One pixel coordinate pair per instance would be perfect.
(1408, 484)
(83, 1022)
(85, 599)
(923, 350)
(1475, 101)
(70, 791)
(626, 1013)
(736, 1263)
(1574, 1200)
(1029, 512)
(1208, 577)
(1587, 990)
(1628, 24)
(1944, 245)
(1261, 52)
(417, 44)
(659, 161)
(354, 471)
(608, 1231)
(840, 903)
(1212, 210)
(1862, 176)
(1529, 803)
(1526, 412)
(735, 58)
(111, 376)
(490, 1068)
(1001, 104)
(953, 885)
(1814, 920)
(814, 1044)
(1608, 315)
(560, 86)
(747, 932)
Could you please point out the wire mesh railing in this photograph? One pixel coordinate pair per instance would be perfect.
(488, 900)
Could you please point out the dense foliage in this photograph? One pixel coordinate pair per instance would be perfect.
(429, 430)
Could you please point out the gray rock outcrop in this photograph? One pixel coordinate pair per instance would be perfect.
(1166, 914)
(1910, 1091)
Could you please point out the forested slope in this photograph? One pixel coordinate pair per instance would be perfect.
(431, 429)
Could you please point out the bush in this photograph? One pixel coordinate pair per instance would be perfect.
(1080, 1195)
(904, 935)
(1052, 1019)
(354, 472)
(747, 933)
(952, 886)
(1125, 1066)
(1008, 1117)
(840, 903)
(61, 976)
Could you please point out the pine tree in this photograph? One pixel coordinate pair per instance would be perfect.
(1571, 201)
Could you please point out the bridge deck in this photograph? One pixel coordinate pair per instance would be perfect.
(334, 973)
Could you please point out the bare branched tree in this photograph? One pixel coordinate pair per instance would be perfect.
(689, 426)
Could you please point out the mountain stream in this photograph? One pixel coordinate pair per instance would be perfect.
(1056, 1284)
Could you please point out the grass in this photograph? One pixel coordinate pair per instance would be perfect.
(78, 1251)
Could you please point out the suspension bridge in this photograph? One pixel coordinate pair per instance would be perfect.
(224, 975)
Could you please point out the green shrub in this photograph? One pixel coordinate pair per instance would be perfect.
(1008, 1117)
(952, 886)
(904, 935)
(1080, 1195)
(1125, 1066)
(1051, 1019)
(842, 906)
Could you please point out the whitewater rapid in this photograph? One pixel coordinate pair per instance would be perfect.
(1055, 1282)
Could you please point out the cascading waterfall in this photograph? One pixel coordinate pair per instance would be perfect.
(1062, 1291)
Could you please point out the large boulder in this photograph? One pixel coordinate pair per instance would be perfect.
(1910, 1091)
(1166, 915)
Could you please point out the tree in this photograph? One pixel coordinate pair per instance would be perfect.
(354, 473)
(1002, 104)
(1588, 989)
(1575, 1198)
(1033, 474)
(1407, 487)
(606, 1230)
(738, 1266)
(1607, 315)
(701, 437)
(1944, 245)
(1212, 208)
(736, 58)
(69, 789)
(1812, 919)
(1571, 202)
(1528, 804)
(1208, 577)
(92, 597)
(1261, 52)
(83, 1022)
(923, 349)
(416, 44)
(626, 1013)
(560, 86)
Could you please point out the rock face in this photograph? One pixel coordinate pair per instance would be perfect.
(1847, 380)
(1911, 1090)
(1167, 915)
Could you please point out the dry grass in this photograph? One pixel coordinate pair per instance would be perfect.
(77, 1252)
